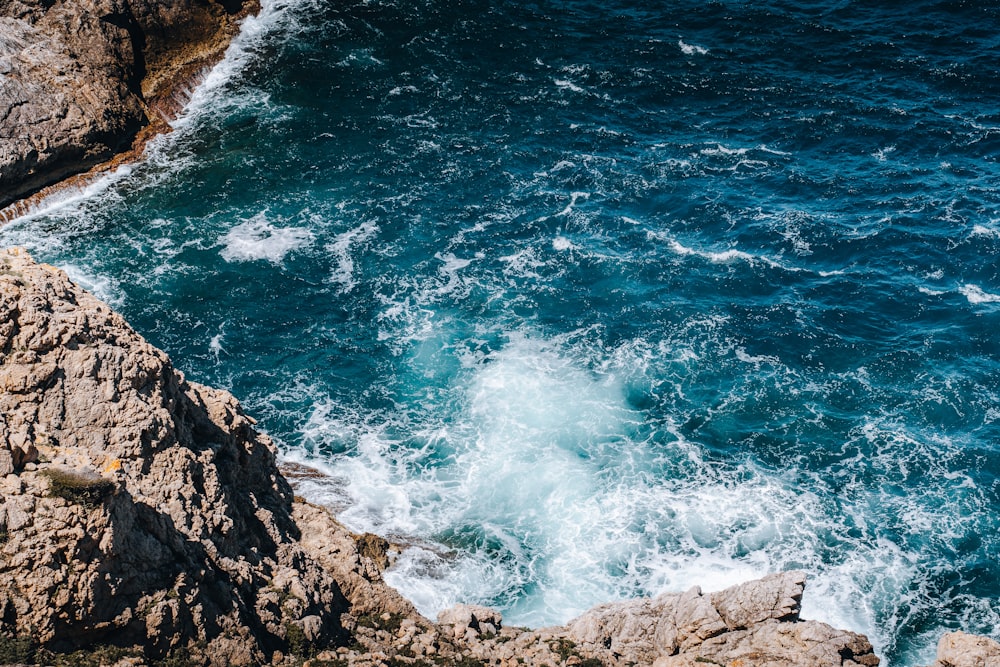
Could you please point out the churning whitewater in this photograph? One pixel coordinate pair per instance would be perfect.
(582, 302)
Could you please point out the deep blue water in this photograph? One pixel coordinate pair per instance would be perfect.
(592, 300)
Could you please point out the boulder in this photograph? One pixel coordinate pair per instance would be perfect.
(958, 649)
(756, 623)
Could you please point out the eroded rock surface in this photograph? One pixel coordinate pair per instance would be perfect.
(756, 623)
(139, 509)
(80, 78)
(958, 649)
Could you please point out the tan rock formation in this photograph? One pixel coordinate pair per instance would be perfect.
(80, 78)
(958, 649)
(139, 509)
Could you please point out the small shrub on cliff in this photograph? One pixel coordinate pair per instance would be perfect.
(16, 650)
(92, 657)
(374, 547)
(564, 648)
(468, 661)
(298, 645)
(85, 489)
(178, 657)
(389, 622)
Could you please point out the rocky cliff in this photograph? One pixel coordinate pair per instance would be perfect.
(144, 521)
(79, 79)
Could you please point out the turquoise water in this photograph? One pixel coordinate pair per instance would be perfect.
(592, 300)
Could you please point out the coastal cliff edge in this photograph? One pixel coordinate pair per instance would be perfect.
(84, 80)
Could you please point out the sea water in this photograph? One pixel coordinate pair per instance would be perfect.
(582, 301)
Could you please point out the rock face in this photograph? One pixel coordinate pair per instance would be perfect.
(80, 78)
(754, 623)
(139, 509)
(958, 649)
(142, 512)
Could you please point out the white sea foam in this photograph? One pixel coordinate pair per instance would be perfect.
(574, 197)
(722, 257)
(883, 153)
(524, 263)
(718, 256)
(756, 360)
(562, 243)
(104, 288)
(66, 200)
(215, 343)
(691, 49)
(719, 149)
(987, 231)
(976, 295)
(341, 249)
(399, 90)
(435, 579)
(566, 84)
(257, 239)
(455, 284)
(419, 121)
(211, 92)
(360, 57)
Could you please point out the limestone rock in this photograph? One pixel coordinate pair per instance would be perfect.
(756, 623)
(78, 78)
(958, 649)
(471, 621)
(154, 516)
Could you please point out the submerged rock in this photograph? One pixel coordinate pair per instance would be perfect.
(143, 518)
(80, 78)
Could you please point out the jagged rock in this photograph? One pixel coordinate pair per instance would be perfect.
(326, 541)
(80, 78)
(155, 516)
(756, 623)
(958, 649)
(471, 621)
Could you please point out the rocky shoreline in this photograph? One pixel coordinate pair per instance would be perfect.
(83, 82)
(145, 521)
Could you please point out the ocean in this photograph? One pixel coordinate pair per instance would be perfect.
(581, 301)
